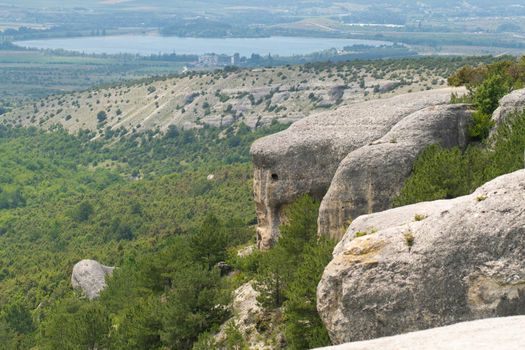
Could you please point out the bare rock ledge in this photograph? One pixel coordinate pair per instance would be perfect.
(505, 333)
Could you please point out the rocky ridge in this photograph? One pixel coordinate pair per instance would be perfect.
(256, 97)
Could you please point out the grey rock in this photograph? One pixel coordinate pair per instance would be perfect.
(191, 97)
(224, 268)
(90, 277)
(373, 223)
(247, 314)
(304, 158)
(504, 333)
(369, 178)
(337, 92)
(513, 102)
(465, 261)
(389, 86)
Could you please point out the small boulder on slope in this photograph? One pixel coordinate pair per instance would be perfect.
(509, 104)
(90, 277)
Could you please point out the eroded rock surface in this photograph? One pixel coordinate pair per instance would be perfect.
(369, 178)
(304, 158)
(465, 261)
(504, 333)
(513, 102)
(90, 277)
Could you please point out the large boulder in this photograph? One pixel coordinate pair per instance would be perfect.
(304, 158)
(465, 261)
(504, 333)
(90, 277)
(511, 103)
(369, 178)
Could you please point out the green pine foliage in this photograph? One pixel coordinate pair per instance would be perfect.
(144, 204)
(448, 173)
(287, 276)
(303, 327)
(487, 84)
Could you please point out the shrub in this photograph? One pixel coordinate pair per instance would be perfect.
(481, 125)
(486, 97)
(101, 116)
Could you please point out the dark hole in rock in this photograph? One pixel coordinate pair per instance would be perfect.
(275, 177)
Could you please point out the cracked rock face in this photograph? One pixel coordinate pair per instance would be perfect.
(369, 178)
(90, 277)
(463, 260)
(304, 158)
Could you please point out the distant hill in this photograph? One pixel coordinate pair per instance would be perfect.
(256, 97)
(188, 5)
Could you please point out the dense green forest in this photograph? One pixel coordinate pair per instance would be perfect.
(148, 205)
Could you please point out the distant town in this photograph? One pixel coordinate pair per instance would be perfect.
(215, 60)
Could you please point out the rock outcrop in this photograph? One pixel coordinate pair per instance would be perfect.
(90, 277)
(247, 314)
(504, 333)
(369, 178)
(464, 261)
(304, 158)
(513, 102)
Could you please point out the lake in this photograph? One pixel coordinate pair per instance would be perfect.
(148, 45)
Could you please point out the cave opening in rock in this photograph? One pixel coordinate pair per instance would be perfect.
(275, 177)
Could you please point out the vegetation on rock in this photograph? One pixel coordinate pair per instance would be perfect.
(448, 173)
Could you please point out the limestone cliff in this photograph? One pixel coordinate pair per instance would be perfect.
(369, 178)
(304, 158)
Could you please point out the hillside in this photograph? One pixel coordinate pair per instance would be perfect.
(64, 198)
(175, 212)
(256, 97)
